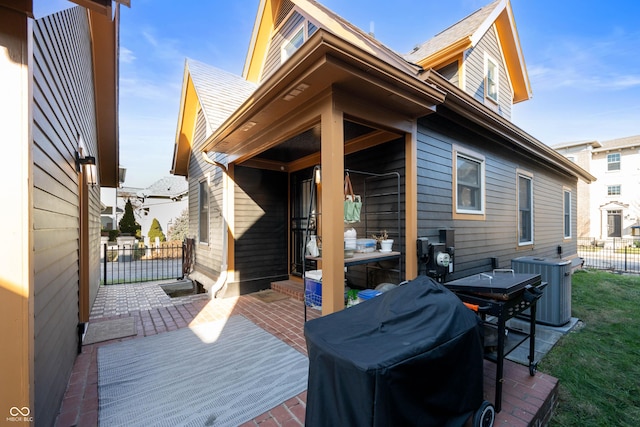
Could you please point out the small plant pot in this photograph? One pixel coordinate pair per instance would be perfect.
(386, 245)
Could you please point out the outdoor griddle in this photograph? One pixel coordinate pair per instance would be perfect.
(497, 297)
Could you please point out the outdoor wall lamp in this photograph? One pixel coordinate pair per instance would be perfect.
(90, 169)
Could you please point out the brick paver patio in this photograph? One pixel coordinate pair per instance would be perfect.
(526, 400)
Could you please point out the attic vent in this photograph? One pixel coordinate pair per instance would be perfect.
(285, 8)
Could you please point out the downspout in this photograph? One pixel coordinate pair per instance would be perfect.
(222, 278)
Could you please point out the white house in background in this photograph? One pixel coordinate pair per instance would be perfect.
(609, 207)
(165, 200)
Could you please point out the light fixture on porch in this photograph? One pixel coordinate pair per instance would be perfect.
(317, 174)
(295, 91)
(88, 162)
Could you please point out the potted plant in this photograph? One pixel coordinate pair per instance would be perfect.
(383, 241)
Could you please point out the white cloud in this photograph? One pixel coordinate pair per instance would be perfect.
(126, 56)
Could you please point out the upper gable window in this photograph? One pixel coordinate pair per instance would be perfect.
(292, 44)
(491, 73)
(613, 162)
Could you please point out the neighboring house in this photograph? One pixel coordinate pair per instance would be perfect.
(611, 207)
(58, 80)
(164, 200)
(318, 91)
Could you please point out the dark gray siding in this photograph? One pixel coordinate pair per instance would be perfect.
(474, 73)
(451, 72)
(208, 257)
(273, 60)
(476, 242)
(63, 109)
(261, 201)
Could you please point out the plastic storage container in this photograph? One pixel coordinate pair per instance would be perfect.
(365, 245)
(554, 307)
(367, 294)
(313, 288)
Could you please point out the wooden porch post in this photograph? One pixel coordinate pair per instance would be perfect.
(16, 255)
(411, 202)
(332, 218)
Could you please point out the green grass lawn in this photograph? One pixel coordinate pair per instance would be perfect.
(598, 363)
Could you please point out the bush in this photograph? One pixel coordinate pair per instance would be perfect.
(128, 224)
(156, 231)
(180, 228)
(113, 235)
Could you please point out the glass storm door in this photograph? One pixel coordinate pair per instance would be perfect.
(301, 185)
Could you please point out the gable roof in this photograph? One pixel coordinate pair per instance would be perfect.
(217, 92)
(461, 33)
(465, 34)
(220, 93)
(266, 22)
(342, 54)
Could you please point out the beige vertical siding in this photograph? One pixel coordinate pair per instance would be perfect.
(63, 109)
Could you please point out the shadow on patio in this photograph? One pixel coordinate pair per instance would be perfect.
(526, 400)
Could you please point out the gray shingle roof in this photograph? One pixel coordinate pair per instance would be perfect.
(464, 28)
(220, 93)
(167, 187)
(627, 142)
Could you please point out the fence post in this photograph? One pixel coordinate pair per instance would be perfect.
(184, 249)
(625, 258)
(105, 263)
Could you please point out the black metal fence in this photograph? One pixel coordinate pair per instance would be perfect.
(133, 263)
(615, 254)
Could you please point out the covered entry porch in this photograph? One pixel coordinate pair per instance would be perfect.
(337, 107)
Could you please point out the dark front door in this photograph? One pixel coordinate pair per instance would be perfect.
(614, 224)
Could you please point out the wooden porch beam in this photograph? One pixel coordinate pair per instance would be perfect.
(332, 219)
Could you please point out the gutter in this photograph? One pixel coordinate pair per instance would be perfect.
(222, 278)
(463, 104)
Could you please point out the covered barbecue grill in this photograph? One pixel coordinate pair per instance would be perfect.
(411, 356)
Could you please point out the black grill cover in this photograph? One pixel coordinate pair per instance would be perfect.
(411, 356)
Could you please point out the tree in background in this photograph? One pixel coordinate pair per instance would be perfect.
(156, 231)
(180, 227)
(128, 223)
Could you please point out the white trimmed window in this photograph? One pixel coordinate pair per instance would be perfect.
(470, 183)
(289, 46)
(567, 214)
(203, 212)
(613, 162)
(491, 83)
(613, 190)
(525, 209)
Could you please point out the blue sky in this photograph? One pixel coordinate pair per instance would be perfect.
(582, 57)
